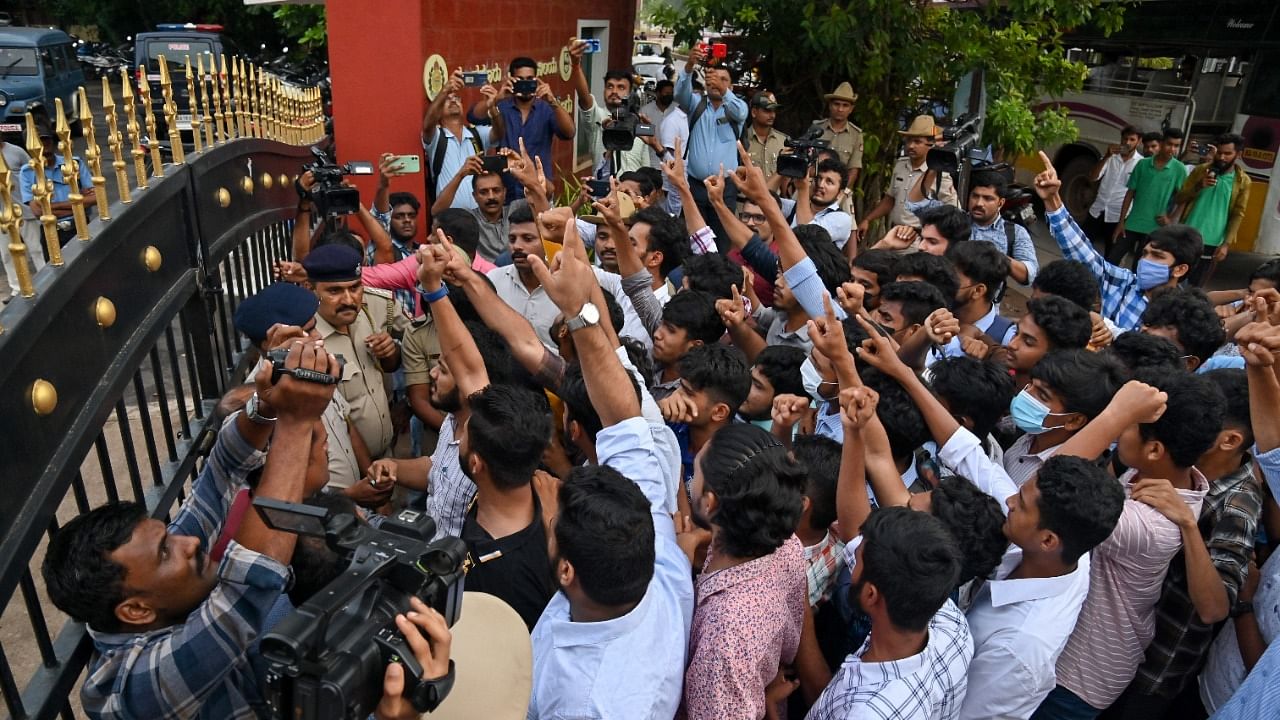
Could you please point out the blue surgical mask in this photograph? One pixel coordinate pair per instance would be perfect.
(1029, 413)
(812, 380)
(1151, 274)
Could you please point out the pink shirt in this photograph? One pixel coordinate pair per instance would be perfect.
(746, 621)
(1117, 621)
(403, 275)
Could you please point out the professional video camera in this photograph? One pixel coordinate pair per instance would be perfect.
(804, 153)
(331, 197)
(626, 126)
(959, 139)
(327, 659)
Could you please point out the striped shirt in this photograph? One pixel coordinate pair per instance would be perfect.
(1118, 618)
(449, 490)
(824, 561)
(1021, 463)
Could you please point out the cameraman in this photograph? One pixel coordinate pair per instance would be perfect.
(172, 630)
(594, 118)
(817, 201)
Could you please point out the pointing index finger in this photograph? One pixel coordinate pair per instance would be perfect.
(1048, 165)
(744, 157)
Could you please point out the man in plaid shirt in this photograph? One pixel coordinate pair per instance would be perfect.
(1170, 253)
(173, 630)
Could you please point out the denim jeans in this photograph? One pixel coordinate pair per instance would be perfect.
(1062, 704)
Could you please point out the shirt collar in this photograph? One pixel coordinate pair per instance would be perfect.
(1007, 592)
(569, 633)
(726, 579)
(324, 328)
(985, 321)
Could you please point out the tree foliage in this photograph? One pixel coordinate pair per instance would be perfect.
(901, 55)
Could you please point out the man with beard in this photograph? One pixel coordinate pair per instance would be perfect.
(519, 287)
(447, 141)
(818, 205)
(357, 324)
(1213, 200)
(908, 173)
(594, 118)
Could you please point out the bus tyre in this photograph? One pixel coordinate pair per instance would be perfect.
(1078, 189)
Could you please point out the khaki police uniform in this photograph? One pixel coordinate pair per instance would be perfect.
(764, 155)
(904, 178)
(364, 385)
(847, 143)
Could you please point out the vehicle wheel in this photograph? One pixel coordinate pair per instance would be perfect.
(1078, 191)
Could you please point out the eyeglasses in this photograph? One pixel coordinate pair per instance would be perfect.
(752, 217)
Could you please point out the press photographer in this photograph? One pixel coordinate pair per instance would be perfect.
(153, 599)
(619, 138)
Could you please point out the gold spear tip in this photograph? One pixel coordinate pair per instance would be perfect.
(107, 100)
(86, 116)
(164, 69)
(60, 124)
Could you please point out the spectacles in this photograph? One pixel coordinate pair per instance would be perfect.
(752, 217)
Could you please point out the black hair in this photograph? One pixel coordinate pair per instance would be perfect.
(1192, 417)
(980, 390)
(902, 420)
(1230, 138)
(780, 364)
(521, 62)
(577, 402)
(1151, 135)
(936, 271)
(832, 265)
(1191, 315)
(1234, 384)
(720, 370)
(665, 235)
(604, 528)
(403, 198)
(616, 316)
(982, 263)
(461, 227)
(833, 166)
(653, 174)
(639, 355)
(1064, 323)
(663, 85)
(1183, 242)
(694, 312)
(1086, 381)
(1129, 130)
(759, 487)
(462, 303)
(619, 75)
(912, 560)
(953, 223)
(820, 458)
(314, 563)
(1079, 502)
(340, 236)
(1070, 279)
(976, 521)
(639, 178)
(81, 578)
(918, 299)
(1172, 133)
(499, 364)
(1269, 270)
(509, 428)
(881, 263)
(1139, 351)
(990, 178)
(713, 273)
(519, 212)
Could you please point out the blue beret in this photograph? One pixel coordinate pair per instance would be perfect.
(333, 263)
(281, 302)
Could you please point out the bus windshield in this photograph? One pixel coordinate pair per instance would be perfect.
(18, 61)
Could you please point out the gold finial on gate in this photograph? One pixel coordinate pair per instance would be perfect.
(193, 108)
(115, 144)
(42, 192)
(149, 119)
(170, 109)
(11, 219)
(93, 156)
(237, 95)
(206, 119)
(249, 117)
(70, 171)
(224, 82)
(131, 127)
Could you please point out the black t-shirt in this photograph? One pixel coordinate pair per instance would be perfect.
(514, 568)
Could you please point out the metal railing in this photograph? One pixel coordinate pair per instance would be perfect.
(113, 356)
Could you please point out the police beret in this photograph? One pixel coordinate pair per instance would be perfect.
(332, 263)
(281, 302)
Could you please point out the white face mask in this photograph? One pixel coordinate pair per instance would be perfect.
(812, 380)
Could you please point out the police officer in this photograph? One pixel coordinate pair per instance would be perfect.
(358, 324)
(762, 141)
(910, 172)
(844, 136)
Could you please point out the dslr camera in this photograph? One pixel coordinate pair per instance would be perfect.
(326, 661)
(804, 153)
(626, 126)
(331, 197)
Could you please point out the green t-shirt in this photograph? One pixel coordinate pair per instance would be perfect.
(1209, 212)
(1152, 188)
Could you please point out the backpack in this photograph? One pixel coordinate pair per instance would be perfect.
(697, 113)
(437, 158)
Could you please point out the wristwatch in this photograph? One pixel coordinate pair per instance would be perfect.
(587, 316)
(251, 411)
(1243, 607)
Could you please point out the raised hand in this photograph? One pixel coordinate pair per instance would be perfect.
(941, 326)
(678, 408)
(1047, 183)
(572, 282)
(302, 400)
(749, 178)
(431, 265)
(899, 237)
(878, 352)
(733, 311)
(857, 406)
(789, 410)
(1141, 402)
(975, 348)
(827, 333)
(715, 186)
(851, 296)
(674, 169)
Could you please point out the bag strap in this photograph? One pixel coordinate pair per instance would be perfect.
(693, 120)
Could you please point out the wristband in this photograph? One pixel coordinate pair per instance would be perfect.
(437, 294)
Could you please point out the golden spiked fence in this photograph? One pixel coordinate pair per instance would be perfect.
(227, 101)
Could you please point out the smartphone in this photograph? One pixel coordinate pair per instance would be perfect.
(475, 79)
(719, 50)
(599, 188)
(593, 45)
(524, 87)
(409, 164)
(493, 163)
(359, 167)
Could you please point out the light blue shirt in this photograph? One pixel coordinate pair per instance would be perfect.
(1259, 695)
(713, 141)
(807, 288)
(631, 666)
(456, 152)
(54, 174)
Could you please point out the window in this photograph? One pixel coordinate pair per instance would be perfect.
(1262, 96)
(18, 61)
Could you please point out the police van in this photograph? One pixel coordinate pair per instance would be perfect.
(37, 65)
(177, 42)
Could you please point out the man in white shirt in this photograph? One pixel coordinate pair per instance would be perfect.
(1112, 175)
(1021, 620)
(658, 110)
(593, 119)
(817, 201)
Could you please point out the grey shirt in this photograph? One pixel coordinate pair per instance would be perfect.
(493, 236)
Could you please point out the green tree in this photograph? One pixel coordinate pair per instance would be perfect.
(902, 54)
